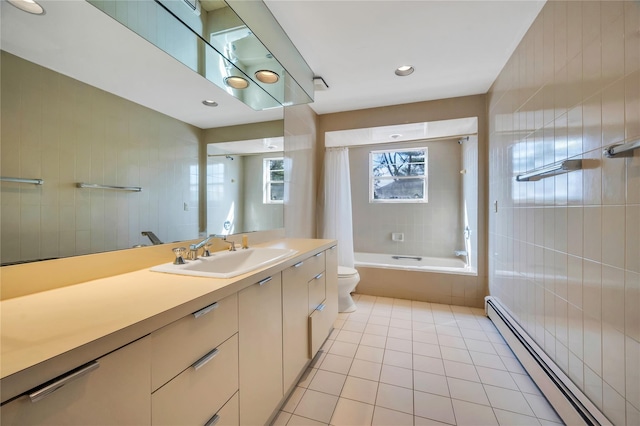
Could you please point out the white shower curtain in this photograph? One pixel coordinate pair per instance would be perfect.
(337, 222)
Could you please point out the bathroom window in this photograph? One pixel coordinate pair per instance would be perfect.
(273, 180)
(398, 176)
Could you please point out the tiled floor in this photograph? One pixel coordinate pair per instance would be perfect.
(396, 362)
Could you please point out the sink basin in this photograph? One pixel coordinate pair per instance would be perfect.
(228, 264)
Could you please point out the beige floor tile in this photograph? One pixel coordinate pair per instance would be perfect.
(328, 382)
(385, 417)
(308, 376)
(471, 414)
(396, 376)
(343, 349)
(460, 370)
(513, 365)
(541, 408)
(336, 363)
(303, 421)
(378, 330)
(467, 391)
(401, 323)
(281, 419)
(480, 346)
(509, 418)
(421, 421)
(349, 336)
(487, 360)
(457, 355)
(507, 399)
(431, 383)
(451, 341)
(293, 400)
(360, 390)
(359, 317)
(354, 326)
(400, 333)
(349, 413)
(425, 327)
(365, 370)
(427, 349)
(448, 330)
(400, 314)
(395, 398)
(428, 364)
(369, 353)
(398, 359)
(377, 320)
(401, 345)
(491, 376)
(425, 337)
(473, 334)
(374, 340)
(525, 384)
(316, 406)
(434, 407)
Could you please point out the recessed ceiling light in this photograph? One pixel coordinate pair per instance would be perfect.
(210, 103)
(266, 76)
(404, 70)
(29, 6)
(236, 82)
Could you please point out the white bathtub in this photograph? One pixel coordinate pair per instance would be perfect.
(443, 265)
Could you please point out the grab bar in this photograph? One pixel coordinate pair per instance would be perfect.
(21, 180)
(407, 257)
(551, 170)
(614, 150)
(117, 188)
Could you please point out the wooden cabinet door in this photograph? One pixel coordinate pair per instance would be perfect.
(260, 350)
(116, 392)
(295, 333)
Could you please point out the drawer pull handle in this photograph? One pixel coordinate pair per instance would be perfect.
(205, 310)
(49, 389)
(266, 280)
(333, 247)
(321, 307)
(213, 420)
(299, 264)
(317, 277)
(205, 359)
(318, 254)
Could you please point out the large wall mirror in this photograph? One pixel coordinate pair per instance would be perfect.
(87, 101)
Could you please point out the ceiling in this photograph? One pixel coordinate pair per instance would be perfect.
(457, 48)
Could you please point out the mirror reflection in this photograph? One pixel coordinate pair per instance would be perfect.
(245, 186)
(85, 100)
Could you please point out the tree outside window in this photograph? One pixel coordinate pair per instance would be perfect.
(398, 176)
(273, 192)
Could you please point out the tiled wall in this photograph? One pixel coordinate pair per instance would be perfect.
(63, 131)
(430, 229)
(565, 251)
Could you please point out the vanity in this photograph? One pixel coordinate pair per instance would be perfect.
(151, 348)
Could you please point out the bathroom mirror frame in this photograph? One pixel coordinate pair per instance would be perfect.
(235, 114)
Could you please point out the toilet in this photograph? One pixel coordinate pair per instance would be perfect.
(348, 279)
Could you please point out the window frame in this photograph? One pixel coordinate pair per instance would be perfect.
(267, 182)
(424, 177)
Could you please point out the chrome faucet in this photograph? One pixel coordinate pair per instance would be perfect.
(154, 240)
(460, 252)
(193, 249)
(232, 245)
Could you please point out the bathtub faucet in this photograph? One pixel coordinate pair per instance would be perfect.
(460, 252)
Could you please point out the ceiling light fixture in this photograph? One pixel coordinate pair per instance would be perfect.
(236, 82)
(267, 77)
(404, 70)
(210, 103)
(29, 6)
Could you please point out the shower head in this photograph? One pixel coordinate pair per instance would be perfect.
(228, 157)
(465, 139)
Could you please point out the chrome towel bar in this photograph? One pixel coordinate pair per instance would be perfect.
(565, 166)
(620, 148)
(21, 180)
(117, 188)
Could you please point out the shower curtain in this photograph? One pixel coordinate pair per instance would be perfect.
(337, 221)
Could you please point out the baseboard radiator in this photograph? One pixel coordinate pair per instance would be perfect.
(573, 407)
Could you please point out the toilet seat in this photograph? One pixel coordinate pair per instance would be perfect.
(345, 272)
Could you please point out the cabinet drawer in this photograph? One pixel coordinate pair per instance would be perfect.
(320, 325)
(308, 268)
(229, 415)
(181, 343)
(316, 291)
(114, 390)
(201, 390)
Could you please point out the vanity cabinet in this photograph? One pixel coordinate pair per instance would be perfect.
(260, 350)
(113, 389)
(194, 366)
(324, 306)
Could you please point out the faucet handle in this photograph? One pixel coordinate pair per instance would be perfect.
(179, 252)
(205, 250)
